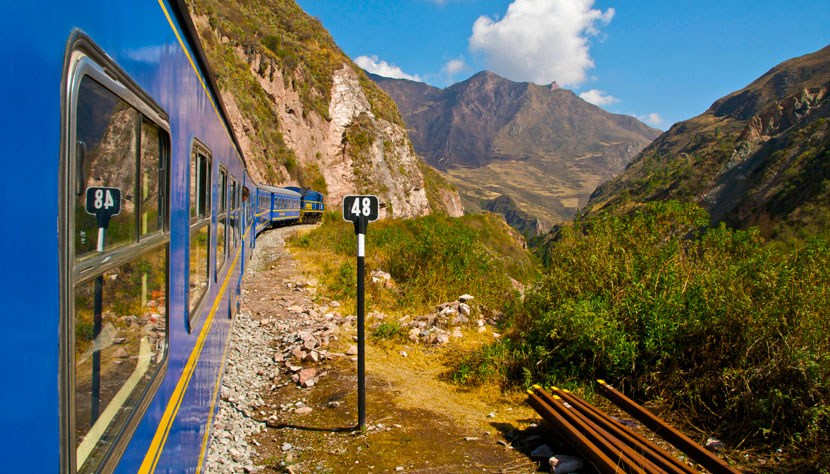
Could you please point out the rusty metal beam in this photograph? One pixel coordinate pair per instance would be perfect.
(638, 443)
(682, 442)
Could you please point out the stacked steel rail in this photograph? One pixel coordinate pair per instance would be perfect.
(610, 445)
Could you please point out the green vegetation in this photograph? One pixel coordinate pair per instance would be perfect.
(712, 320)
(388, 331)
(285, 37)
(431, 259)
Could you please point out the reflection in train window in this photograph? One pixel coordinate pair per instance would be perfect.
(117, 288)
(120, 340)
(222, 219)
(199, 226)
(106, 156)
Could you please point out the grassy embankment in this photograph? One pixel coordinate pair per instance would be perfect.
(714, 322)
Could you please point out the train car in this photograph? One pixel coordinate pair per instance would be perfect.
(276, 207)
(311, 205)
(138, 216)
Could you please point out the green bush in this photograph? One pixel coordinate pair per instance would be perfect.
(431, 259)
(387, 331)
(712, 320)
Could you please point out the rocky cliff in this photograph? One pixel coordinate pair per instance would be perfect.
(305, 114)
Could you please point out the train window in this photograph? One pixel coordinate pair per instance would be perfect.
(200, 164)
(114, 312)
(222, 220)
(151, 177)
(106, 156)
(234, 216)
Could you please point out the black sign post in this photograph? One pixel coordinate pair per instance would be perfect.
(360, 210)
(103, 203)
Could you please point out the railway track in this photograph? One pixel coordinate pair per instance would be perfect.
(611, 446)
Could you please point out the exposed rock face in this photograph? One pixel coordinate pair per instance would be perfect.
(519, 220)
(388, 168)
(352, 150)
(782, 115)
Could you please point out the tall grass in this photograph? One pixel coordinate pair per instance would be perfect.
(431, 259)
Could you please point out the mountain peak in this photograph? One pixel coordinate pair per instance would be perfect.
(561, 145)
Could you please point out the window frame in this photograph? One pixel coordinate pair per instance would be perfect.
(84, 59)
(203, 218)
(221, 216)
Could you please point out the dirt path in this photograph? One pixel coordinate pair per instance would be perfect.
(289, 396)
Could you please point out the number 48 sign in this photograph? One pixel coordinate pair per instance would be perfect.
(360, 207)
(103, 203)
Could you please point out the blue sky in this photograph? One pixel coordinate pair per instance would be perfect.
(661, 61)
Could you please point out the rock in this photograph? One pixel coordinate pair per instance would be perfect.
(464, 309)
(306, 375)
(414, 333)
(303, 410)
(713, 444)
(465, 298)
(352, 350)
(298, 353)
(404, 354)
(287, 447)
(447, 311)
(562, 464)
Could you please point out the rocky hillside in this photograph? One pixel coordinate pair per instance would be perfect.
(305, 114)
(541, 146)
(758, 156)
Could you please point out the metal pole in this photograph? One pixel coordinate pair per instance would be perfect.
(95, 401)
(360, 226)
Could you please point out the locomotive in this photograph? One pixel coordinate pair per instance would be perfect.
(140, 218)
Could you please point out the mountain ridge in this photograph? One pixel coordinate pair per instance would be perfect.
(476, 129)
(750, 152)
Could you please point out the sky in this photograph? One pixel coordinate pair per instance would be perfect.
(662, 61)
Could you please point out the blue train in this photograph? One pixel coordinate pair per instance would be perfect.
(138, 218)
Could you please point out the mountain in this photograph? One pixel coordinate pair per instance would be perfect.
(757, 157)
(542, 146)
(306, 115)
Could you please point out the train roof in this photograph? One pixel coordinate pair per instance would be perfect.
(283, 191)
(304, 191)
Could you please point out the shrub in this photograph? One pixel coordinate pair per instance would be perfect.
(726, 328)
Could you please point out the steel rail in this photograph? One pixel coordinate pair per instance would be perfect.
(682, 442)
(627, 459)
(585, 447)
(638, 443)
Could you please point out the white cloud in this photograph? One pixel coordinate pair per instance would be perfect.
(652, 119)
(380, 67)
(454, 66)
(541, 41)
(598, 97)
